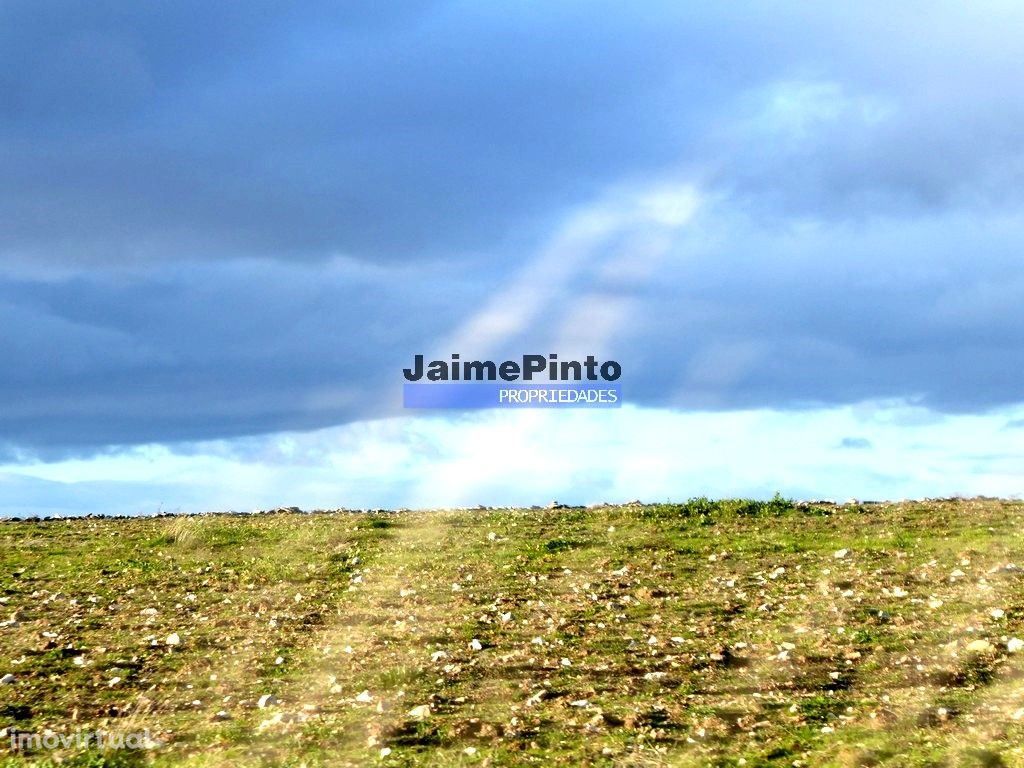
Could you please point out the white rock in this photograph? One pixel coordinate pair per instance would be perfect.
(997, 613)
(7, 679)
(267, 700)
(476, 645)
(276, 719)
(364, 697)
(579, 703)
(422, 712)
(1014, 644)
(537, 698)
(979, 646)
(839, 554)
(149, 612)
(173, 639)
(148, 742)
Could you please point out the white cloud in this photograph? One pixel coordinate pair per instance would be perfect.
(534, 456)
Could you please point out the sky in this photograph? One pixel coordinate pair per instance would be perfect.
(225, 228)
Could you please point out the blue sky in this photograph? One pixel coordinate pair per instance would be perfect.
(227, 227)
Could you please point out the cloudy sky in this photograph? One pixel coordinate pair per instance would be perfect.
(226, 227)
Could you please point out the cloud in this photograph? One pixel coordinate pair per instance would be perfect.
(532, 457)
(747, 314)
(137, 134)
(235, 220)
(187, 351)
(856, 443)
(707, 310)
(134, 133)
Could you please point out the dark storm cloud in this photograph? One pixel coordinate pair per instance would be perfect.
(140, 132)
(916, 310)
(178, 181)
(135, 132)
(193, 351)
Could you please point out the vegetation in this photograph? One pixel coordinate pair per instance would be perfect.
(705, 633)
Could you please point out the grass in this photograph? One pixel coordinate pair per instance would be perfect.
(706, 633)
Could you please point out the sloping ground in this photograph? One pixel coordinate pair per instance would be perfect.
(708, 633)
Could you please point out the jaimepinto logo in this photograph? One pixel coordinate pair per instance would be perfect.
(533, 381)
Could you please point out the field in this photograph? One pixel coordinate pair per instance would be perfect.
(704, 633)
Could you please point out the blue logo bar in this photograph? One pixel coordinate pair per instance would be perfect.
(490, 394)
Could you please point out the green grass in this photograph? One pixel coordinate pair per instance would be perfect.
(711, 632)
